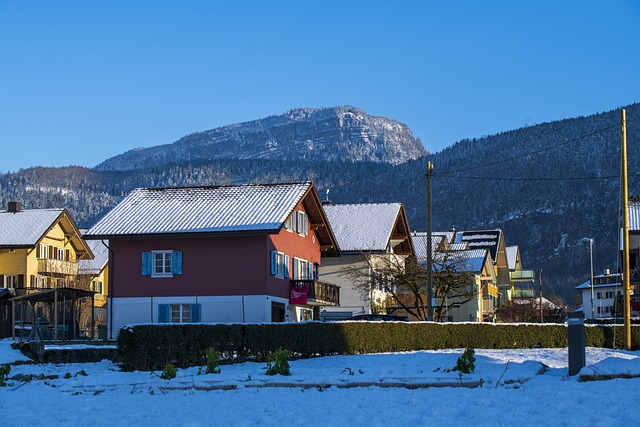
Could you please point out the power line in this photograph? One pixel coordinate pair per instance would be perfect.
(566, 178)
(530, 153)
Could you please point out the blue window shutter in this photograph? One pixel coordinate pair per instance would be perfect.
(286, 266)
(274, 263)
(146, 263)
(176, 262)
(195, 313)
(163, 313)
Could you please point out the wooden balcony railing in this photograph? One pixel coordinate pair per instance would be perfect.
(320, 293)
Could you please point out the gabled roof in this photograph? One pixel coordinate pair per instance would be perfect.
(25, 227)
(101, 257)
(229, 209)
(472, 260)
(481, 239)
(512, 256)
(370, 227)
(419, 239)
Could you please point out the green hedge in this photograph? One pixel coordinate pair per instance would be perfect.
(151, 347)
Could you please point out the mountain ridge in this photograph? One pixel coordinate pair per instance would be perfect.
(342, 133)
(547, 186)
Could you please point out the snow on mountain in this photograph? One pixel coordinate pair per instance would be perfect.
(330, 134)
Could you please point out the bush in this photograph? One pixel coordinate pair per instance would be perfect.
(151, 347)
(213, 358)
(169, 372)
(278, 362)
(467, 362)
(5, 370)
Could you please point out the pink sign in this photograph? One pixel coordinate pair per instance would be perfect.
(298, 295)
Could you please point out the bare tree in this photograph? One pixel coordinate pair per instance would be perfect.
(453, 282)
(403, 282)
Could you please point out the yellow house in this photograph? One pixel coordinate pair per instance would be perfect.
(93, 274)
(39, 252)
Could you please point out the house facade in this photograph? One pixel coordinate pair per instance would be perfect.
(476, 264)
(608, 294)
(40, 250)
(94, 276)
(368, 235)
(247, 253)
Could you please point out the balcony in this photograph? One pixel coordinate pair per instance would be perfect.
(57, 267)
(523, 276)
(320, 293)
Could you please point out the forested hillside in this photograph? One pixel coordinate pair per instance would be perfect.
(547, 186)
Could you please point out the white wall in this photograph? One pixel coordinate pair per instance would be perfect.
(224, 309)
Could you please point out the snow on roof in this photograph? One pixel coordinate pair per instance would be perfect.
(26, 227)
(481, 239)
(512, 252)
(471, 259)
(234, 208)
(101, 257)
(420, 244)
(634, 216)
(363, 227)
(536, 301)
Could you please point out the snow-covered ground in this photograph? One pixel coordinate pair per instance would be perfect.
(510, 387)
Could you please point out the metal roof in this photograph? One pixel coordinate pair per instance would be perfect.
(472, 260)
(512, 256)
(186, 210)
(25, 227)
(363, 227)
(634, 216)
(101, 257)
(419, 239)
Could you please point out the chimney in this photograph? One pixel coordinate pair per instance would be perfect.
(14, 207)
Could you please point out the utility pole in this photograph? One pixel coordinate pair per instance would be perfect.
(428, 243)
(626, 279)
(540, 304)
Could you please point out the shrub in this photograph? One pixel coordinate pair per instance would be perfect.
(467, 362)
(278, 362)
(5, 369)
(213, 358)
(169, 372)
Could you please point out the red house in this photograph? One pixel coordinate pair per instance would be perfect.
(243, 253)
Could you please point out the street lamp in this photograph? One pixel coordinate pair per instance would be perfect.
(590, 240)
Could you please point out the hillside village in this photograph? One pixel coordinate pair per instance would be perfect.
(259, 253)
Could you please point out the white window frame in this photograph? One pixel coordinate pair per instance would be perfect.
(10, 280)
(180, 310)
(301, 269)
(166, 264)
(61, 254)
(45, 251)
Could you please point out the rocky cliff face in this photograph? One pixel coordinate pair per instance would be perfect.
(325, 134)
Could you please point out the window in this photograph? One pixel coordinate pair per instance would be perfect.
(179, 313)
(97, 286)
(298, 222)
(279, 265)
(302, 269)
(61, 254)
(13, 281)
(39, 282)
(161, 263)
(44, 251)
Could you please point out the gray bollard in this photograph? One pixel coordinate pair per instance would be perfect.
(577, 343)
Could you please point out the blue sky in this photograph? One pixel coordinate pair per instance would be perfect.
(83, 81)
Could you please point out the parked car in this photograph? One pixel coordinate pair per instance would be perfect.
(380, 318)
